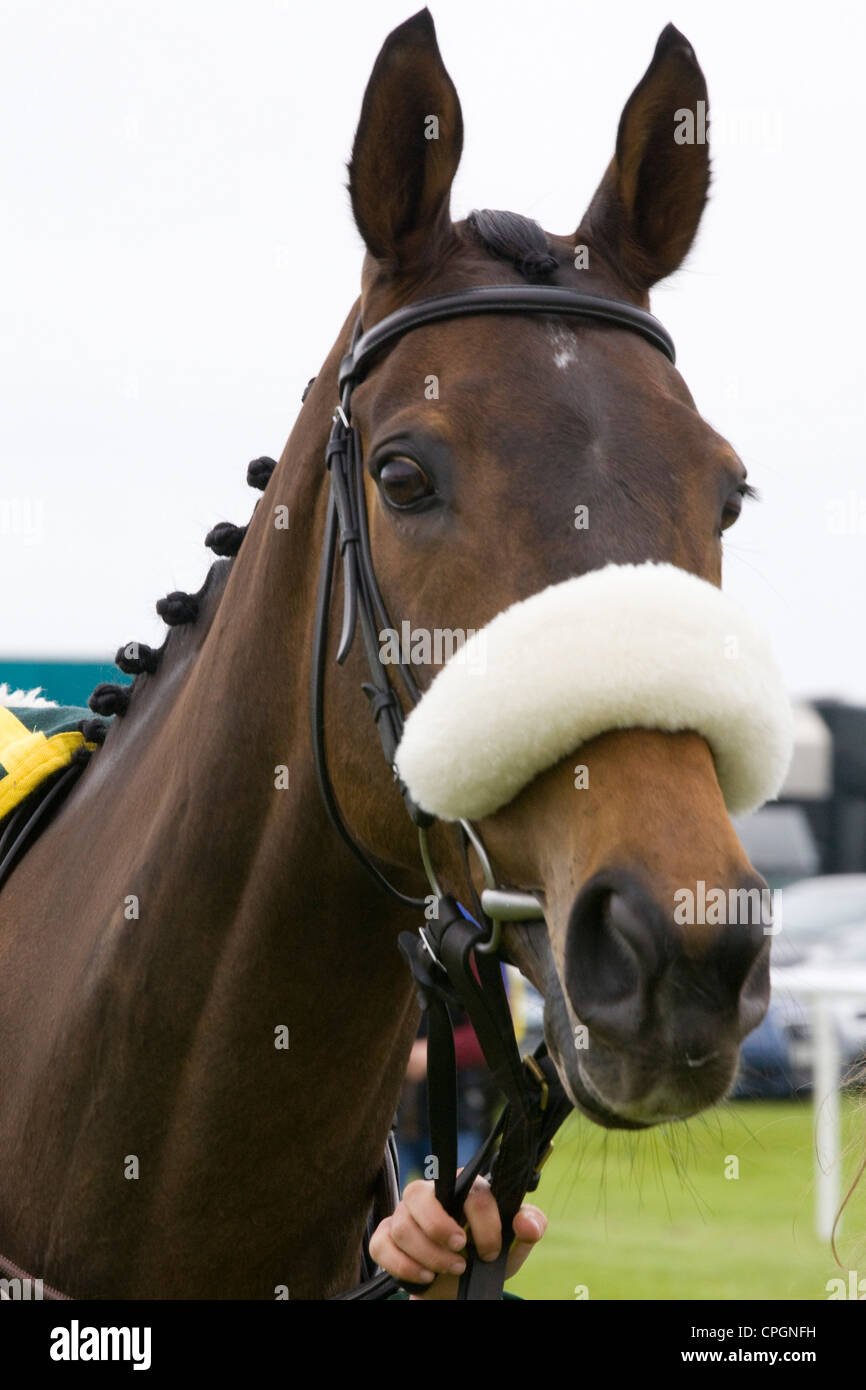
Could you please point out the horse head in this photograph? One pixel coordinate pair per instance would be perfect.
(555, 475)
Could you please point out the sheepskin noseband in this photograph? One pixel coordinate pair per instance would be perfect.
(628, 646)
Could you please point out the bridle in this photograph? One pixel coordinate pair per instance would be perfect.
(346, 523)
(453, 960)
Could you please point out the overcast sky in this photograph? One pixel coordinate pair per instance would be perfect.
(178, 255)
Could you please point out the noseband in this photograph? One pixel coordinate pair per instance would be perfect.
(363, 604)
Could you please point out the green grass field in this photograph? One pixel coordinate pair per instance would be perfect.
(653, 1216)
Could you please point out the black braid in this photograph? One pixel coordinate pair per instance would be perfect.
(517, 239)
(110, 699)
(94, 730)
(259, 472)
(134, 657)
(224, 538)
(177, 608)
(537, 265)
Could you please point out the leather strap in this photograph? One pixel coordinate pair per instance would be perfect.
(501, 299)
(25, 822)
(317, 713)
(445, 965)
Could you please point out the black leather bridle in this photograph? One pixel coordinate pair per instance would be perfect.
(346, 522)
(452, 961)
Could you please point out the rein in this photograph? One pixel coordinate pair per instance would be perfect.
(453, 960)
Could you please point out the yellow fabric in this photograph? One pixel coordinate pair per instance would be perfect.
(30, 757)
(11, 727)
(517, 1000)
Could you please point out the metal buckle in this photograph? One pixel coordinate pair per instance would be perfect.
(544, 1157)
(508, 905)
(536, 1172)
(531, 1065)
(491, 946)
(425, 858)
(499, 904)
(429, 949)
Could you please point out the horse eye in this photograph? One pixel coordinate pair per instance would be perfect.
(403, 482)
(732, 508)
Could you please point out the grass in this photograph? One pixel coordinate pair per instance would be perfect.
(653, 1216)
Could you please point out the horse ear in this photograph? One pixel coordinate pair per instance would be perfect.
(407, 148)
(646, 211)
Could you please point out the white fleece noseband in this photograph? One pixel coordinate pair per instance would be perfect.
(629, 646)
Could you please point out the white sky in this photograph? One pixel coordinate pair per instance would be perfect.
(178, 254)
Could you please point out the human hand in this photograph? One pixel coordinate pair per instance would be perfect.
(422, 1244)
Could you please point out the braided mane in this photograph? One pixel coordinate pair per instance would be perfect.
(177, 609)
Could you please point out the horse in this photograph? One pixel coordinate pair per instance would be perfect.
(204, 1018)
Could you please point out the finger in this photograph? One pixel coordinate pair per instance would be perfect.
(390, 1257)
(419, 1199)
(482, 1213)
(530, 1223)
(408, 1236)
(529, 1226)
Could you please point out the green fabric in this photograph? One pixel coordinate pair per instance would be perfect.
(50, 719)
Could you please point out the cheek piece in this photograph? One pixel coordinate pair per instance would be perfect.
(645, 646)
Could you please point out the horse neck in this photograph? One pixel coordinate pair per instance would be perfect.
(280, 886)
(253, 918)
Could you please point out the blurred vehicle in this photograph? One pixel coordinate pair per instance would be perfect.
(823, 923)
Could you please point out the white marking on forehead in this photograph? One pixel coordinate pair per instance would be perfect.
(564, 346)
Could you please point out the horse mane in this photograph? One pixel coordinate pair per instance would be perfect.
(513, 238)
(177, 609)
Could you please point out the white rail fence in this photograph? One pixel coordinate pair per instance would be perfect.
(820, 988)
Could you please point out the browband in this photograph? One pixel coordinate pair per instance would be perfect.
(501, 299)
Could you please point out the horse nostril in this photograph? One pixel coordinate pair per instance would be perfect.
(739, 960)
(613, 954)
(742, 958)
(629, 920)
(629, 968)
(754, 996)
